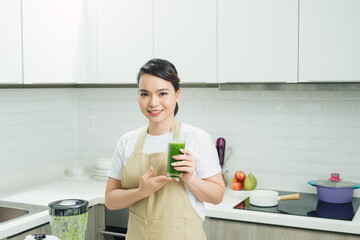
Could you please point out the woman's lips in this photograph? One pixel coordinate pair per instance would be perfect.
(155, 112)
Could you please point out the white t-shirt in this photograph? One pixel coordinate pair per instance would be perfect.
(198, 142)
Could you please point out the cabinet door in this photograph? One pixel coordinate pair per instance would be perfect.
(125, 39)
(10, 42)
(329, 41)
(55, 41)
(185, 34)
(258, 40)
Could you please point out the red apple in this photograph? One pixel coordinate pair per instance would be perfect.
(240, 176)
(237, 186)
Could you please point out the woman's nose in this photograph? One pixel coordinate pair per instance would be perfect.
(154, 101)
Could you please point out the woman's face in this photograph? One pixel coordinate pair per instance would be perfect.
(157, 98)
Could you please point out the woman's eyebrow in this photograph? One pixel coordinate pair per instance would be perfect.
(163, 89)
(159, 90)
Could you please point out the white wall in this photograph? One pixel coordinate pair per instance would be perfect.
(38, 128)
(301, 133)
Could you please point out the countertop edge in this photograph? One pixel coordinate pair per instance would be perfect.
(95, 195)
(35, 220)
(225, 211)
(331, 225)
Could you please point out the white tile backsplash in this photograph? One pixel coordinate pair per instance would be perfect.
(299, 133)
(37, 128)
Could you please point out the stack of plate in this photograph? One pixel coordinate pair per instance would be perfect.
(99, 175)
(102, 166)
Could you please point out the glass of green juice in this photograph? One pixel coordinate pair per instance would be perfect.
(174, 149)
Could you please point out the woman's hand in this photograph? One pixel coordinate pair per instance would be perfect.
(149, 185)
(186, 164)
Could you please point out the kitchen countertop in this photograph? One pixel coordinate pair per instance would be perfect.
(93, 191)
(44, 193)
(225, 210)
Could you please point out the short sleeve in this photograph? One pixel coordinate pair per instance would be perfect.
(117, 165)
(207, 157)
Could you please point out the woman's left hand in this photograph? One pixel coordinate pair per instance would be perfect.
(186, 164)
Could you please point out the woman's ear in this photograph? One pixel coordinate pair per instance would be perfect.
(178, 93)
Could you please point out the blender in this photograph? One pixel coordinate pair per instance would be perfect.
(68, 218)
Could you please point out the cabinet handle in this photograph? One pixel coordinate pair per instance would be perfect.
(113, 234)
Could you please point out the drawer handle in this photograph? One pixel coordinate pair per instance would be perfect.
(113, 234)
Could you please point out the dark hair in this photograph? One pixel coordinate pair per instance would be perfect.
(163, 69)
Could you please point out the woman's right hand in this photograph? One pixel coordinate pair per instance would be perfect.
(149, 185)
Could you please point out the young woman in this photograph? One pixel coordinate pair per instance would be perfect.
(161, 208)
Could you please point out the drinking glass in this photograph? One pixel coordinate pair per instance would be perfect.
(174, 149)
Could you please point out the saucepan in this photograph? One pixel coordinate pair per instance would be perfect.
(269, 198)
(334, 190)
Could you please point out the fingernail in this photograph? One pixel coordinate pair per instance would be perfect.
(181, 150)
(150, 168)
(173, 164)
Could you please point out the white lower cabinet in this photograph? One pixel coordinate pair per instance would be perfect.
(216, 229)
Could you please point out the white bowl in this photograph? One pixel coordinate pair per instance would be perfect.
(103, 163)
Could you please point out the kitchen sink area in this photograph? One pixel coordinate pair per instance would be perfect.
(12, 210)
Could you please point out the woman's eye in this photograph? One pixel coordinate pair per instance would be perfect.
(144, 94)
(163, 94)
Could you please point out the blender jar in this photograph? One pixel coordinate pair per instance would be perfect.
(68, 218)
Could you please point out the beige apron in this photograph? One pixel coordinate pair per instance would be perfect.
(166, 214)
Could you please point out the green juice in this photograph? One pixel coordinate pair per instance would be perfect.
(174, 149)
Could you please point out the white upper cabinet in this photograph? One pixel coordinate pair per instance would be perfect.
(56, 44)
(329, 49)
(125, 39)
(257, 41)
(10, 42)
(185, 34)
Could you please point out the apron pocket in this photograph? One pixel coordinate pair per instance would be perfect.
(136, 227)
(167, 229)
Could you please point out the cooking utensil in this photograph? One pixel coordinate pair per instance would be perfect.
(269, 198)
(220, 147)
(334, 190)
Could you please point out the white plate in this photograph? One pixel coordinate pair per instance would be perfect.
(99, 175)
(83, 177)
(102, 179)
(100, 171)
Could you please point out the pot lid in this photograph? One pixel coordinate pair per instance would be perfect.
(335, 182)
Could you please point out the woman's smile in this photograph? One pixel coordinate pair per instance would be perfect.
(155, 112)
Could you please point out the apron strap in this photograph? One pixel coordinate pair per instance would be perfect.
(175, 131)
(141, 140)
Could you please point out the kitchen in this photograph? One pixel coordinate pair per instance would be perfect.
(283, 94)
